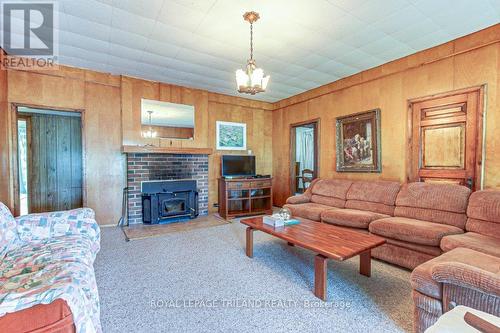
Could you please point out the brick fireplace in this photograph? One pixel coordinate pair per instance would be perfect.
(153, 166)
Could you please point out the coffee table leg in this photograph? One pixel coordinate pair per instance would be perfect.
(320, 276)
(365, 263)
(249, 248)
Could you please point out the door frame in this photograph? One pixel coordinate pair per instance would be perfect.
(480, 139)
(14, 150)
(317, 122)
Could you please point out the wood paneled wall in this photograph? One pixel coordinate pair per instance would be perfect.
(5, 185)
(107, 101)
(209, 108)
(97, 95)
(473, 60)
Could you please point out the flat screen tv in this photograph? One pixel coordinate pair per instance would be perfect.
(238, 165)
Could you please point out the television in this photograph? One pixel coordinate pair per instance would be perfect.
(238, 165)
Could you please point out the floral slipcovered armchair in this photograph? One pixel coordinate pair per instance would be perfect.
(49, 256)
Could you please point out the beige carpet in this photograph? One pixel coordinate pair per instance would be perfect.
(141, 231)
(202, 281)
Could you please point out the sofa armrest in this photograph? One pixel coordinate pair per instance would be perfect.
(468, 276)
(298, 199)
(35, 227)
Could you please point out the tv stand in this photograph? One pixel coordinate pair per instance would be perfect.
(243, 197)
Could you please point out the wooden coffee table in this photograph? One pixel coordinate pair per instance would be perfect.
(328, 241)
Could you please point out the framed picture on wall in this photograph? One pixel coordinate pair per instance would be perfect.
(358, 142)
(231, 136)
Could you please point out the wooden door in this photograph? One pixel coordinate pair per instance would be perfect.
(55, 170)
(446, 139)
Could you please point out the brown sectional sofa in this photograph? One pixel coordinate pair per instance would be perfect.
(448, 236)
(424, 214)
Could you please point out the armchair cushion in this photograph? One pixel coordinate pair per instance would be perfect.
(471, 240)
(35, 227)
(8, 232)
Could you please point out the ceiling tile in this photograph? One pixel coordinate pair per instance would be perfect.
(375, 10)
(91, 10)
(180, 16)
(128, 39)
(384, 44)
(302, 44)
(148, 9)
(134, 23)
(399, 20)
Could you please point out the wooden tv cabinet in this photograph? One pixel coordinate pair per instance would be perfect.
(244, 197)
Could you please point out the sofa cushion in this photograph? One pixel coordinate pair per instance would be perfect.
(421, 277)
(54, 268)
(413, 231)
(370, 206)
(427, 249)
(485, 205)
(350, 217)
(432, 215)
(433, 201)
(8, 231)
(491, 229)
(474, 241)
(336, 188)
(329, 201)
(375, 196)
(379, 191)
(484, 213)
(311, 211)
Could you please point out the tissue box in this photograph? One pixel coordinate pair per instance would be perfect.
(273, 221)
(277, 222)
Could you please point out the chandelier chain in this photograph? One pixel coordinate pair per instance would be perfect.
(251, 41)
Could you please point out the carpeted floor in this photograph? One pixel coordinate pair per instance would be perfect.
(201, 281)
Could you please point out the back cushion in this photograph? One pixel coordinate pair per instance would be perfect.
(484, 213)
(8, 231)
(376, 196)
(439, 203)
(331, 192)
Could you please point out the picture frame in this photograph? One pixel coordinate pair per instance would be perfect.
(231, 136)
(358, 146)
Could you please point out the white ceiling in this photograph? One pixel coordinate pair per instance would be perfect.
(302, 44)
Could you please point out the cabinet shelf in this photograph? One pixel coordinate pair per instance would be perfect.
(244, 197)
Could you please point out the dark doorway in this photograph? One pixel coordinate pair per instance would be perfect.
(49, 146)
(304, 155)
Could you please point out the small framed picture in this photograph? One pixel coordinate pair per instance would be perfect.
(231, 136)
(358, 142)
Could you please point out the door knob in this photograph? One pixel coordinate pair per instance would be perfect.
(469, 183)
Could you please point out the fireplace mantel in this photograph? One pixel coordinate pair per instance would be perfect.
(166, 150)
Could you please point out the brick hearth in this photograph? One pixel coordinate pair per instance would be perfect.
(143, 166)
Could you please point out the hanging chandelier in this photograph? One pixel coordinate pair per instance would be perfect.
(149, 133)
(251, 80)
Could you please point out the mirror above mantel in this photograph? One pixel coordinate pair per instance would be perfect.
(167, 120)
